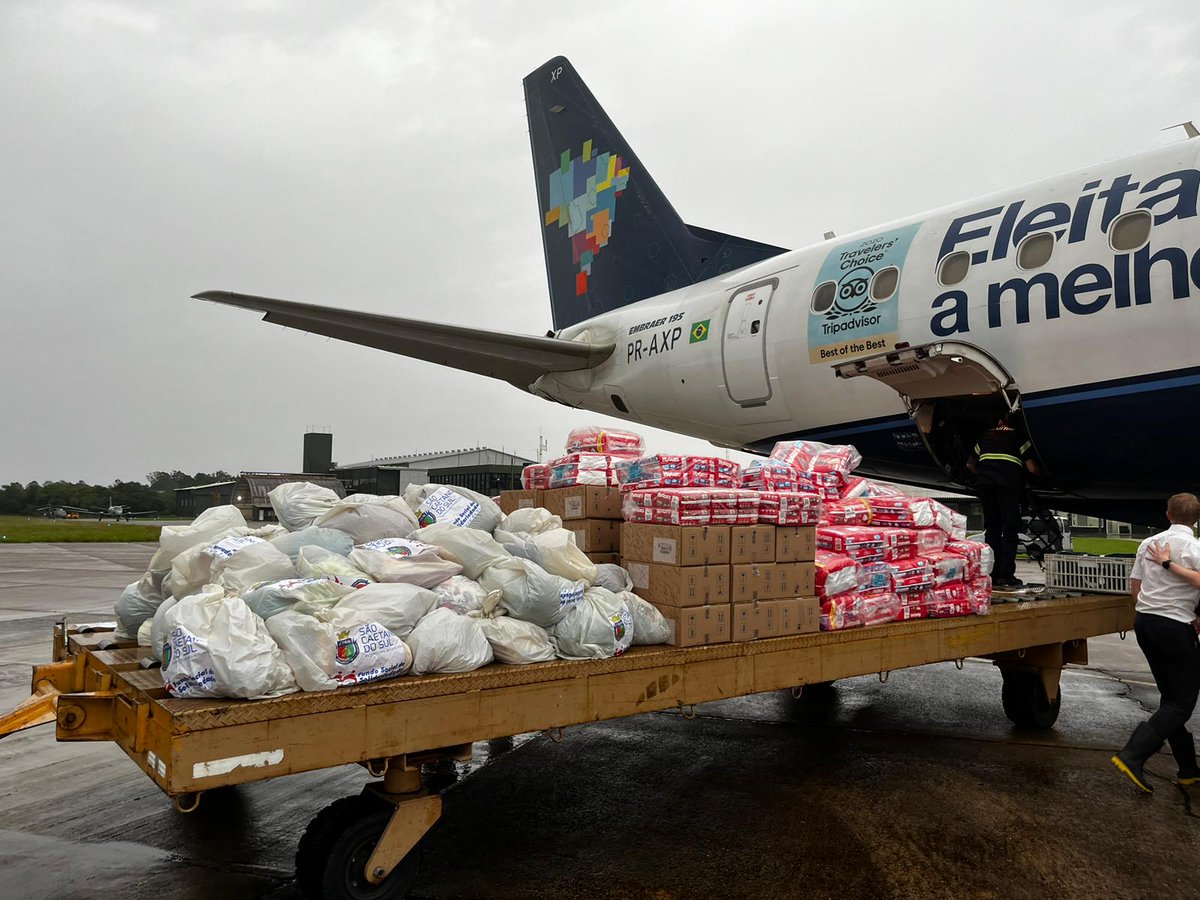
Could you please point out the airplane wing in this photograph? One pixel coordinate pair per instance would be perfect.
(516, 358)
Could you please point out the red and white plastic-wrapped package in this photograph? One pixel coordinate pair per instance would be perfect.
(959, 523)
(594, 439)
(813, 456)
(899, 543)
(668, 470)
(950, 600)
(765, 475)
(972, 551)
(535, 477)
(856, 541)
(828, 484)
(875, 576)
(582, 468)
(981, 595)
(907, 512)
(691, 506)
(911, 575)
(863, 488)
(788, 508)
(929, 540)
(987, 559)
(846, 512)
(947, 567)
(835, 574)
(841, 612)
(879, 607)
(913, 609)
(952, 523)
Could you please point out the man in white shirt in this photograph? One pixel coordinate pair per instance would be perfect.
(1166, 626)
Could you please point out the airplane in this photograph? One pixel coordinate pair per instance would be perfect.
(1068, 302)
(116, 511)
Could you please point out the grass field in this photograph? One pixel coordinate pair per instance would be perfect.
(26, 530)
(1100, 546)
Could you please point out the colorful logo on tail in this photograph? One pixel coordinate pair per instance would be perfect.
(583, 200)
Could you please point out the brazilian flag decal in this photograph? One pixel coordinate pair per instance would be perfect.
(699, 332)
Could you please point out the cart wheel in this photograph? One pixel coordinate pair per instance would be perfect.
(1025, 702)
(334, 850)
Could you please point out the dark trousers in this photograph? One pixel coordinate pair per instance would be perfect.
(1173, 653)
(1002, 522)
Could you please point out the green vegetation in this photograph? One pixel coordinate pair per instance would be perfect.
(35, 529)
(156, 495)
(1096, 546)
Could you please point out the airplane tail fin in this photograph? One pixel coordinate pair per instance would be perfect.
(611, 237)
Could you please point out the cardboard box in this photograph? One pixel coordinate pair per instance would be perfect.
(679, 585)
(596, 535)
(511, 501)
(675, 545)
(795, 543)
(583, 502)
(695, 625)
(753, 581)
(598, 558)
(795, 579)
(800, 615)
(752, 543)
(754, 620)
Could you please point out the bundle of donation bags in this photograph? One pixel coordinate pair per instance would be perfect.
(352, 590)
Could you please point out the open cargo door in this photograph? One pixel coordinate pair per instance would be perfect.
(953, 392)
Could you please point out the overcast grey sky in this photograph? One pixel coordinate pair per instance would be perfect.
(375, 156)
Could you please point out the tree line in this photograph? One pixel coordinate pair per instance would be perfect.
(156, 494)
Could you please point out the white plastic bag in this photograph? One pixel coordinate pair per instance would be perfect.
(144, 632)
(458, 506)
(323, 656)
(462, 595)
(531, 593)
(598, 627)
(515, 642)
(204, 529)
(366, 517)
(397, 607)
(191, 570)
(649, 625)
(304, 595)
(216, 647)
(403, 560)
(528, 519)
(138, 603)
(238, 565)
(471, 548)
(317, 562)
(328, 538)
(555, 551)
(445, 642)
(298, 504)
(613, 577)
(158, 630)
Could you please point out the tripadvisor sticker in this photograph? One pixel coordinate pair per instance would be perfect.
(854, 309)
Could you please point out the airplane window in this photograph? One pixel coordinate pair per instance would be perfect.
(1034, 250)
(953, 267)
(1129, 231)
(824, 296)
(883, 283)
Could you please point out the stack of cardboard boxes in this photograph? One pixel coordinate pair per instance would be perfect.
(592, 513)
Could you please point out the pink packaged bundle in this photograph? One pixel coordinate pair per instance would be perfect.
(842, 611)
(582, 468)
(774, 476)
(899, 543)
(929, 540)
(691, 506)
(668, 470)
(947, 567)
(535, 477)
(813, 456)
(913, 605)
(858, 487)
(911, 575)
(874, 576)
(972, 551)
(910, 512)
(856, 541)
(835, 574)
(981, 594)
(950, 600)
(594, 439)
(788, 508)
(879, 607)
(846, 512)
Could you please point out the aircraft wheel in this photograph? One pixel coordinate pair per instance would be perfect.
(332, 856)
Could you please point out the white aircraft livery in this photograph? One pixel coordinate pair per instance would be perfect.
(1072, 302)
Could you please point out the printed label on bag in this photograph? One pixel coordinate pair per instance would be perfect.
(226, 548)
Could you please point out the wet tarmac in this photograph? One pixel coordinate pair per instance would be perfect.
(914, 788)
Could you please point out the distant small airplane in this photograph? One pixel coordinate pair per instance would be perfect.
(116, 511)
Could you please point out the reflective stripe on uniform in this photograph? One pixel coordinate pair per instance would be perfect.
(999, 457)
(1025, 446)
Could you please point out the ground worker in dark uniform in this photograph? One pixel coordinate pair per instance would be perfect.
(1002, 457)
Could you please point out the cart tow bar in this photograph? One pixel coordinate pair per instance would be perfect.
(415, 813)
(41, 708)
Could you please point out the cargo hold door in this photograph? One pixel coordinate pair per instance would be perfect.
(744, 344)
